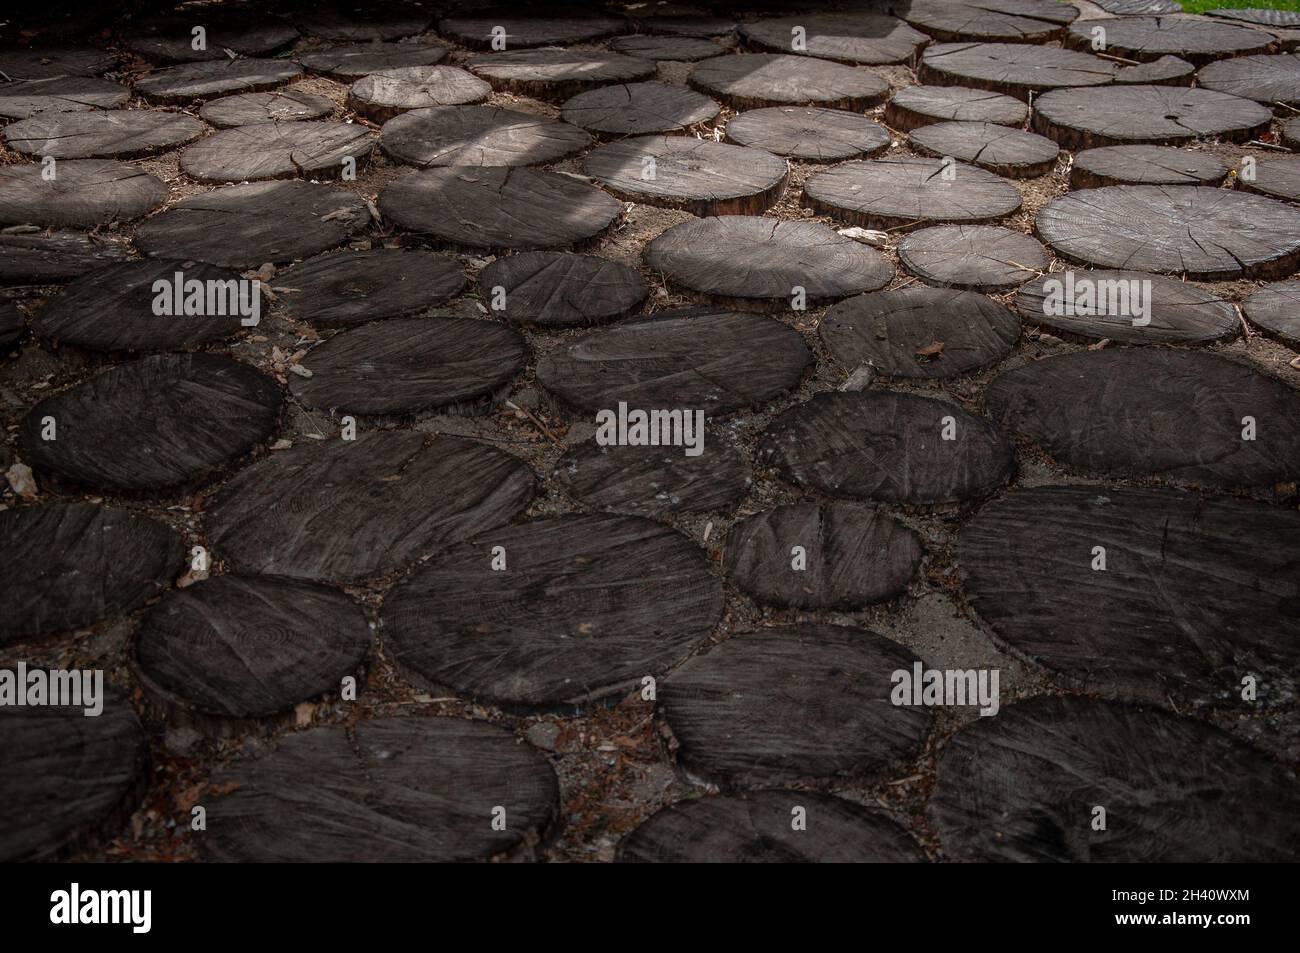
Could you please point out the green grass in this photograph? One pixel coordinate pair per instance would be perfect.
(1200, 6)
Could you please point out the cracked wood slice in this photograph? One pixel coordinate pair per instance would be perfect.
(1154, 115)
(18, 100)
(1012, 21)
(888, 446)
(560, 289)
(692, 359)
(896, 332)
(1275, 310)
(793, 703)
(914, 106)
(244, 226)
(1279, 178)
(102, 134)
(558, 75)
(41, 258)
(1017, 69)
(1270, 80)
(678, 49)
(347, 511)
(1260, 16)
(276, 105)
(1137, 412)
(392, 789)
(71, 565)
(586, 607)
(1145, 165)
(1291, 133)
(974, 257)
(1166, 71)
(478, 136)
(381, 96)
(172, 38)
(350, 63)
(809, 133)
(356, 287)
(1023, 787)
(1194, 39)
(1126, 8)
(47, 62)
(83, 193)
(1203, 233)
(1013, 153)
(754, 80)
(363, 24)
(12, 324)
(638, 109)
(521, 32)
(198, 82)
(853, 38)
(279, 150)
(686, 23)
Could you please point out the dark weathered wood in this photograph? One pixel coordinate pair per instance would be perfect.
(1279, 178)
(854, 38)
(1128, 8)
(975, 257)
(753, 80)
(478, 136)
(1266, 79)
(759, 263)
(19, 100)
(47, 62)
(102, 134)
(163, 421)
(1291, 133)
(687, 358)
(1176, 414)
(279, 150)
(525, 31)
(243, 226)
(793, 703)
(277, 105)
(394, 789)
(12, 325)
(558, 75)
(381, 96)
(639, 108)
(757, 828)
(887, 446)
(1166, 71)
(1011, 21)
(350, 63)
(40, 258)
(198, 82)
(356, 287)
(170, 39)
(1261, 16)
(1203, 233)
(362, 24)
(680, 49)
(1275, 310)
(914, 106)
(1145, 165)
(71, 565)
(1195, 39)
(499, 208)
(1023, 787)
(82, 194)
(810, 133)
(896, 332)
(586, 607)
(1017, 69)
(352, 510)
(682, 24)
(1013, 153)
(1155, 115)
(559, 289)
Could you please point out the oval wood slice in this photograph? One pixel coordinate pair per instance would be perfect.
(1260, 16)
(279, 150)
(478, 136)
(685, 23)
(12, 324)
(1279, 178)
(1010, 21)
(357, 287)
(244, 226)
(1195, 39)
(1166, 71)
(1023, 787)
(1265, 79)
(975, 257)
(680, 49)
(46, 258)
(857, 38)
(277, 105)
(348, 64)
(394, 789)
(560, 289)
(586, 607)
(71, 565)
(1203, 233)
(914, 106)
(1136, 412)
(171, 39)
(754, 828)
(499, 208)
(391, 92)
(887, 446)
(1157, 115)
(353, 510)
(47, 62)
(1275, 309)
(558, 75)
(238, 647)
(1145, 165)
(638, 109)
(58, 94)
(896, 332)
(102, 134)
(163, 421)
(198, 82)
(1291, 133)
(809, 133)
(1125, 8)
(521, 32)
(1016, 69)
(83, 193)
(756, 263)
(1013, 153)
(363, 24)
(754, 80)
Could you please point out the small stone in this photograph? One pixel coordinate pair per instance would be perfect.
(868, 236)
(544, 735)
(21, 481)
(299, 370)
(860, 379)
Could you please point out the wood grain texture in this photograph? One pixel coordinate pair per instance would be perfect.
(1266, 79)
(18, 100)
(277, 105)
(279, 150)
(753, 80)
(170, 38)
(102, 134)
(1155, 115)
(639, 108)
(198, 82)
(1013, 153)
(381, 96)
(362, 24)
(350, 63)
(1279, 178)
(853, 38)
(1275, 309)
(1011, 21)
(356, 287)
(1261, 16)
(809, 133)
(687, 23)
(526, 31)
(974, 257)
(1291, 133)
(1195, 39)
(914, 106)
(1166, 71)
(478, 136)
(678, 49)
(47, 62)
(560, 289)
(1145, 165)
(1016, 69)
(12, 324)
(55, 256)
(557, 75)
(83, 193)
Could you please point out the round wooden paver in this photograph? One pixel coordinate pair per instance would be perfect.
(1011, 21)
(852, 556)
(900, 193)
(680, 49)
(655, 481)
(197, 82)
(69, 780)
(391, 92)
(71, 565)
(1013, 153)
(391, 790)
(12, 324)
(586, 607)
(692, 359)
(1291, 133)
(47, 62)
(1166, 71)
(1266, 79)
(757, 828)
(521, 32)
(346, 511)
(975, 257)
(558, 75)
(279, 150)
(357, 287)
(1261, 16)
(1275, 309)
(856, 38)
(1279, 178)
(1195, 39)
(1156, 115)
(1024, 787)
(277, 105)
(914, 106)
(1195, 594)
(478, 136)
(793, 703)
(350, 63)
(685, 23)
(1177, 414)
(810, 133)
(499, 208)
(1203, 233)
(171, 39)
(83, 193)
(250, 646)
(41, 258)
(888, 446)
(559, 289)
(638, 109)
(759, 263)
(243, 226)
(896, 332)
(753, 80)
(405, 365)
(1016, 69)
(1102, 305)
(1145, 165)
(361, 24)
(19, 100)
(102, 134)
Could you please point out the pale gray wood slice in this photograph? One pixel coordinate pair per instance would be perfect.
(47, 62)
(198, 82)
(1013, 153)
(914, 106)
(1263, 17)
(559, 289)
(381, 96)
(363, 24)
(1275, 309)
(1271, 80)
(350, 63)
(526, 31)
(171, 39)
(1130, 8)
(1279, 178)
(83, 193)
(809, 133)
(1195, 39)
(1017, 69)
(639, 108)
(557, 75)
(974, 257)
(46, 258)
(357, 287)
(1166, 71)
(1154, 115)
(277, 105)
(680, 49)
(1012, 21)
(478, 136)
(19, 100)
(753, 80)
(102, 134)
(1145, 165)
(279, 150)
(853, 38)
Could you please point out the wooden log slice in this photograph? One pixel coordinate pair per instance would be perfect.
(687, 23)
(277, 105)
(692, 359)
(809, 133)
(47, 62)
(638, 109)
(391, 790)
(171, 38)
(347, 64)
(19, 100)
(754, 80)
(1166, 71)
(47, 258)
(559, 289)
(357, 287)
(586, 607)
(679, 49)
(975, 257)
(12, 324)
(1279, 178)
(1008, 21)
(1174, 414)
(279, 150)
(901, 193)
(853, 38)
(896, 332)
(1128, 8)
(1013, 153)
(1291, 133)
(381, 96)
(353, 510)
(914, 106)
(244, 226)
(71, 565)
(558, 75)
(82, 194)
(1024, 787)
(887, 446)
(363, 24)
(1270, 80)
(1145, 165)
(102, 134)
(521, 32)
(198, 82)
(1155, 115)
(1017, 69)
(1260, 16)
(499, 208)
(1202, 233)
(478, 136)
(1275, 310)
(758, 263)
(163, 421)
(1195, 39)
(797, 703)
